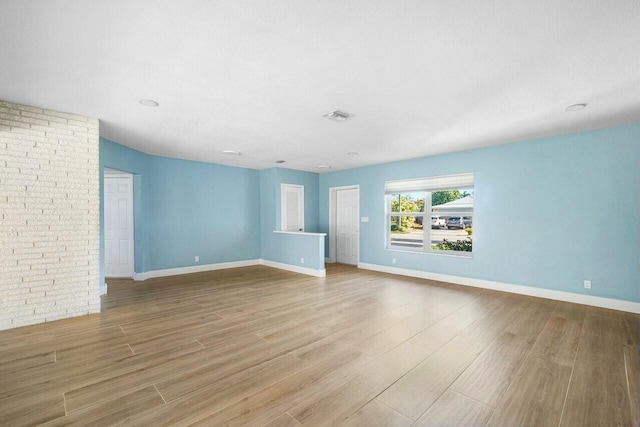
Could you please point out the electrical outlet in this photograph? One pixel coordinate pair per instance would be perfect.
(587, 284)
(196, 258)
(393, 260)
(301, 260)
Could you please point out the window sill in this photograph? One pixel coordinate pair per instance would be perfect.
(465, 255)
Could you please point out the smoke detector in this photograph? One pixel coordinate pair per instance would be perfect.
(338, 116)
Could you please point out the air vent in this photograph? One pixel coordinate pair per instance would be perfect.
(338, 116)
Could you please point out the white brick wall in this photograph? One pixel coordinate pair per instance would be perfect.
(49, 215)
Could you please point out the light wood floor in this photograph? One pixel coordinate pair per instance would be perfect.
(262, 347)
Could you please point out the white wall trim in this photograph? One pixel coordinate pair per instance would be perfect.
(294, 268)
(223, 265)
(301, 233)
(194, 269)
(614, 304)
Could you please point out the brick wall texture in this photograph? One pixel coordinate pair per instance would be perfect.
(49, 215)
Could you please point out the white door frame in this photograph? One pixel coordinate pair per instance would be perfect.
(112, 173)
(333, 241)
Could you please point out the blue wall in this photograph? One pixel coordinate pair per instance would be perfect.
(201, 209)
(291, 248)
(271, 245)
(186, 208)
(549, 213)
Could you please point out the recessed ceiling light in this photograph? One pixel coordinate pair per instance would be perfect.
(352, 153)
(148, 102)
(338, 116)
(280, 161)
(324, 167)
(231, 152)
(576, 107)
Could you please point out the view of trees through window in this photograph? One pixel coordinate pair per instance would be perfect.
(449, 226)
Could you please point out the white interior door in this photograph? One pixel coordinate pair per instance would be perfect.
(292, 207)
(118, 225)
(347, 226)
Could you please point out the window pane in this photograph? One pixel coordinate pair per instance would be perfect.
(406, 231)
(449, 196)
(452, 239)
(452, 220)
(408, 202)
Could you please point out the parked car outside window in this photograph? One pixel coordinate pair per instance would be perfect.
(438, 222)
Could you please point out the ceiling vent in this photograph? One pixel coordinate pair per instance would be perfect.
(338, 116)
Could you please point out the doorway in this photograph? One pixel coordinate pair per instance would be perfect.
(118, 224)
(344, 238)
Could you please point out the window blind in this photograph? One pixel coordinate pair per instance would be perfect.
(435, 183)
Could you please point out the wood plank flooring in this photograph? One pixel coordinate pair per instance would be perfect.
(257, 346)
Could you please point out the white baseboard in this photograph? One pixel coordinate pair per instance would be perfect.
(103, 289)
(294, 268)
(614, 304)
(223, 265)
(193, 269)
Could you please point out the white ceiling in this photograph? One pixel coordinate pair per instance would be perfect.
(421, 77)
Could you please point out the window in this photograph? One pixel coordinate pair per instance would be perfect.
(431, 214)
(292, 207)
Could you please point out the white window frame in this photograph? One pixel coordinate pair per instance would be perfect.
(283, 205)
(426, 215)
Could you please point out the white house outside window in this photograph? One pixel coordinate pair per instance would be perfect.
(432, 214)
